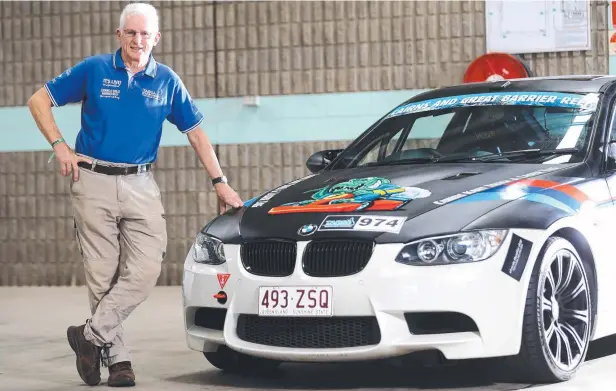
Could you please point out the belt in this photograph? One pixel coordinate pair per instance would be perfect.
(114, 170)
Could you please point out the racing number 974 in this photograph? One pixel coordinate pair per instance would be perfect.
(380, 223)
(377, 221)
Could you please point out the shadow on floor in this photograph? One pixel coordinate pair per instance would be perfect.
(602, 348)
(470, 375)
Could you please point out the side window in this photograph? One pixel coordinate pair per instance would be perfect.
(393, 142)
(612, 136)
(425, 132)
(375, 149)
(606, 148)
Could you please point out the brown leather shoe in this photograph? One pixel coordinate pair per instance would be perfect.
(88, 355)
(121, 375)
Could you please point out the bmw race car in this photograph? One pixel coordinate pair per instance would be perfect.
(474, 221)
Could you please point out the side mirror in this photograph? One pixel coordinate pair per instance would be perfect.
(319, 160)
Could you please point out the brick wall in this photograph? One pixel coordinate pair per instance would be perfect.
(227, 49)
(278, 47)
(37, 245)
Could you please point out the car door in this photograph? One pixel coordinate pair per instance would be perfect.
(604, 219)
(609, 169)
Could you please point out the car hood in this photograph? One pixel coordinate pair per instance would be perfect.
(384, 203)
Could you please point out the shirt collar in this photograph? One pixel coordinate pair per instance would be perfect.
(150, 68)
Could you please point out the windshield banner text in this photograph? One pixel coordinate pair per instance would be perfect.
(549, 99)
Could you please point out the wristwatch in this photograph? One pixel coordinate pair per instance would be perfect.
(220, 179)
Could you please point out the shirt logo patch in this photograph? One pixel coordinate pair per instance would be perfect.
(151, 94)
(111, 83)
(110, 93)
(65, 74)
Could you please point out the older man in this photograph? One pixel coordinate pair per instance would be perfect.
(119, 218)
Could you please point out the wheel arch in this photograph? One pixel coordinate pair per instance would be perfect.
(581, 245)
(530, 364)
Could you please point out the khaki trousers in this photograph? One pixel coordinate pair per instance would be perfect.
(122, 237)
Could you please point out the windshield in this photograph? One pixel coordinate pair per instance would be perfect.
(542, 127)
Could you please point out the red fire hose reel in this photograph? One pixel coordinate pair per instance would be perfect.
(496, 66)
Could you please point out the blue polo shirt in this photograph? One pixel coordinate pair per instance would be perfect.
(122, 120)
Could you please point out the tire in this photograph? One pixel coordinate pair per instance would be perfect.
(229, 360)
(536, 361)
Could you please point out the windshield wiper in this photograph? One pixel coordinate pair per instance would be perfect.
(483, 158)
(525, 153)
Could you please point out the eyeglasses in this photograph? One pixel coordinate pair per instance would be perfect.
(132, 33)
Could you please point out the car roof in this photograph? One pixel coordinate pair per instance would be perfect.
(565, 84)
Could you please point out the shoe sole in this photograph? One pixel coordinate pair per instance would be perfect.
(73, 343)
(122, 383)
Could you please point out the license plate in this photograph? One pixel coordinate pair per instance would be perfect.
(296, 301)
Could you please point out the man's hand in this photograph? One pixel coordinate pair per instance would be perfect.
(40, 107)
(67, 159)
(202, 145)
(227, 196)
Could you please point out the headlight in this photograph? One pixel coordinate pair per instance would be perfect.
(207, 249)
(464, 247)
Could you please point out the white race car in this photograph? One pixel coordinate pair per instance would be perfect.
(475, 221)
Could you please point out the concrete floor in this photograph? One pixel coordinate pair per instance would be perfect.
(34, 355)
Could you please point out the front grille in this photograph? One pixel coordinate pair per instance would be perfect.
(272, 258)
(304, 332)
(331, 258)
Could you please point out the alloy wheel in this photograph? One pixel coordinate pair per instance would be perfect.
(565, 310)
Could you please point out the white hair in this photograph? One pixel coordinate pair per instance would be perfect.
(146, 10)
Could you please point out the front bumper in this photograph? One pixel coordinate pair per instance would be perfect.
(487, 306)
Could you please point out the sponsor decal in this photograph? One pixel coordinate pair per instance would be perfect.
(307, 229)
(66, 73)
(337, 222)
(112, 83)
(550, 99)
(370, 194)
(562, 196)
(110, 93)
(483, 188)
(151, 94)
(222, 279)
(260, 201)
(248, 203)
(392, 224)
(517, 257)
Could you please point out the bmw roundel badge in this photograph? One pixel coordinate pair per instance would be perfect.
(307, 229)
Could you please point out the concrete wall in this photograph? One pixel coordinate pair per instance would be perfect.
(226, 50)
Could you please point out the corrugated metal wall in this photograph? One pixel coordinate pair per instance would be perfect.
(227, 49)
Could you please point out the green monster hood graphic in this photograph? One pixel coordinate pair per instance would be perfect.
(371, 193)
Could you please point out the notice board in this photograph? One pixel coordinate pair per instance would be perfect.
(535, 26)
